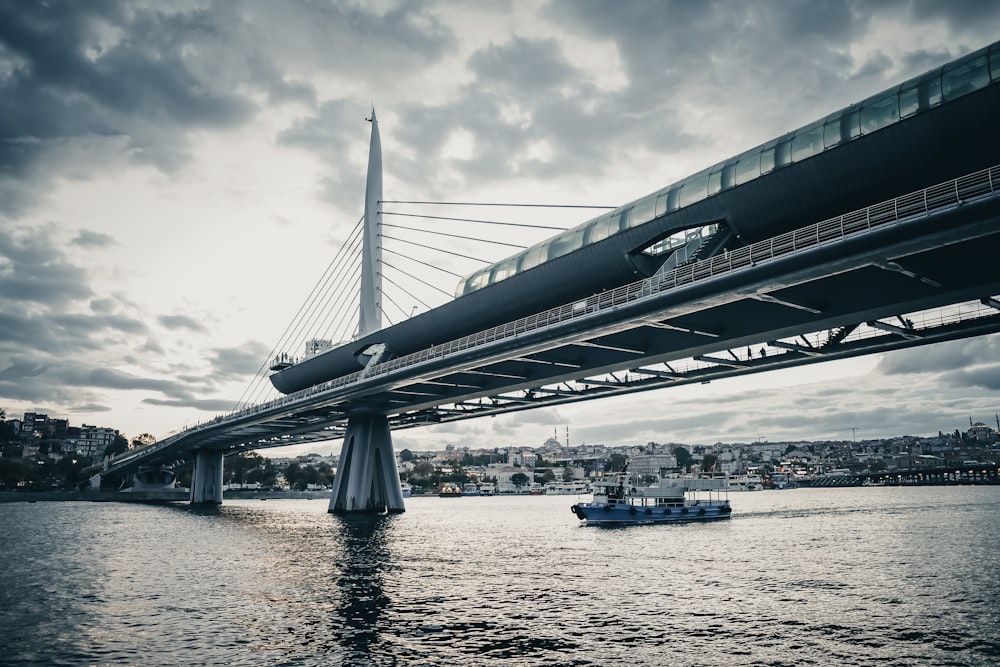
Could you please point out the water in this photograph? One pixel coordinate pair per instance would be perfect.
(864, 576)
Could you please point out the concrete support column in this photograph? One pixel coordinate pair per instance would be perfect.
(367, 480)
(206, 481)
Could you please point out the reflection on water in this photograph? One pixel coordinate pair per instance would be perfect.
(821, 576)
(362, 556)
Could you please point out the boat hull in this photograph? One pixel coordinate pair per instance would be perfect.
(625, 513)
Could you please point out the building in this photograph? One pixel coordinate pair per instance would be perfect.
(94, 440)
(651, 464)
(980, 432)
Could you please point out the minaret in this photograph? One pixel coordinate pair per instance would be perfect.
(370, 309)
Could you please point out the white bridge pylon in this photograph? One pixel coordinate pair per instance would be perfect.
(367, 479)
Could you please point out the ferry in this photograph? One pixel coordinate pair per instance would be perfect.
(470, 489)
(406, 489)
(575, 488)
(618, 500)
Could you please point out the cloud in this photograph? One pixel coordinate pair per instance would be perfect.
(181, 322)
(34, 269)
(87, 408)
(106, 70)
(206, 404)
(944, 358)
(89, 239)
(238, 363)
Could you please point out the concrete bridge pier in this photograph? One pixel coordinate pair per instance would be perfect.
(206, 480)
(367, 480)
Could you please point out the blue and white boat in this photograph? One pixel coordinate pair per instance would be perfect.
(619, 499)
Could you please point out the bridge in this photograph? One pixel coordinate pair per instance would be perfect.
(872, 229)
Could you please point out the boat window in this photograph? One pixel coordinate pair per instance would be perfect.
(476, 281)
(929, 91)
(767, 161)
(995, 62)
(714, 182)
(534, 256)
(598, 230)
(566, 243)
(807, 142)
(729, 176)
(693, 190)
(661, 204)
(783, 153)
(619, 221)
(965, 77)
(748, 168)
(672, 198)
(878, 113)
(909, 101)
(831, 132)
(850, 125)
(643, 211)
(504, 270)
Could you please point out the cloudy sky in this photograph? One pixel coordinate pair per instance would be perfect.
(175, 177)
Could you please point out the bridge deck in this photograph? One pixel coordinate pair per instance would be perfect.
(801, 297)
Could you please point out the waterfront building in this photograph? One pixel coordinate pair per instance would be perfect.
(94, 440)
(652, 464)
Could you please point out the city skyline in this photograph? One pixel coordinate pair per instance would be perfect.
(174, 182)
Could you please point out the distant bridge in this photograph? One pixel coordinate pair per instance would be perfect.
(696, 288)
(937, 475)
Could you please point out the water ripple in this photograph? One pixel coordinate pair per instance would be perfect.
(803, 577)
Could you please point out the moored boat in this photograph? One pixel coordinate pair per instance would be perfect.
(619, 500)
(450, 490)
(574, 488)
(745, 483)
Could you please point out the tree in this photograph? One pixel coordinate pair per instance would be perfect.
(307, 475)
(143, 440)
(7, 431)
(118, 446)
(519, 479)
(616, 462)
(567, 474)
(292, 472)
(423, 469)
(683, 457)
(406, 455)
(708, 462)
(239, 468)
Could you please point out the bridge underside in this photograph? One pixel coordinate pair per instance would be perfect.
(912, 281)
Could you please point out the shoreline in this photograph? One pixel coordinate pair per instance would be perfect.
(150, 496)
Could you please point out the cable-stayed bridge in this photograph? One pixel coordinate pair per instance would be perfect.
(870, 230)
